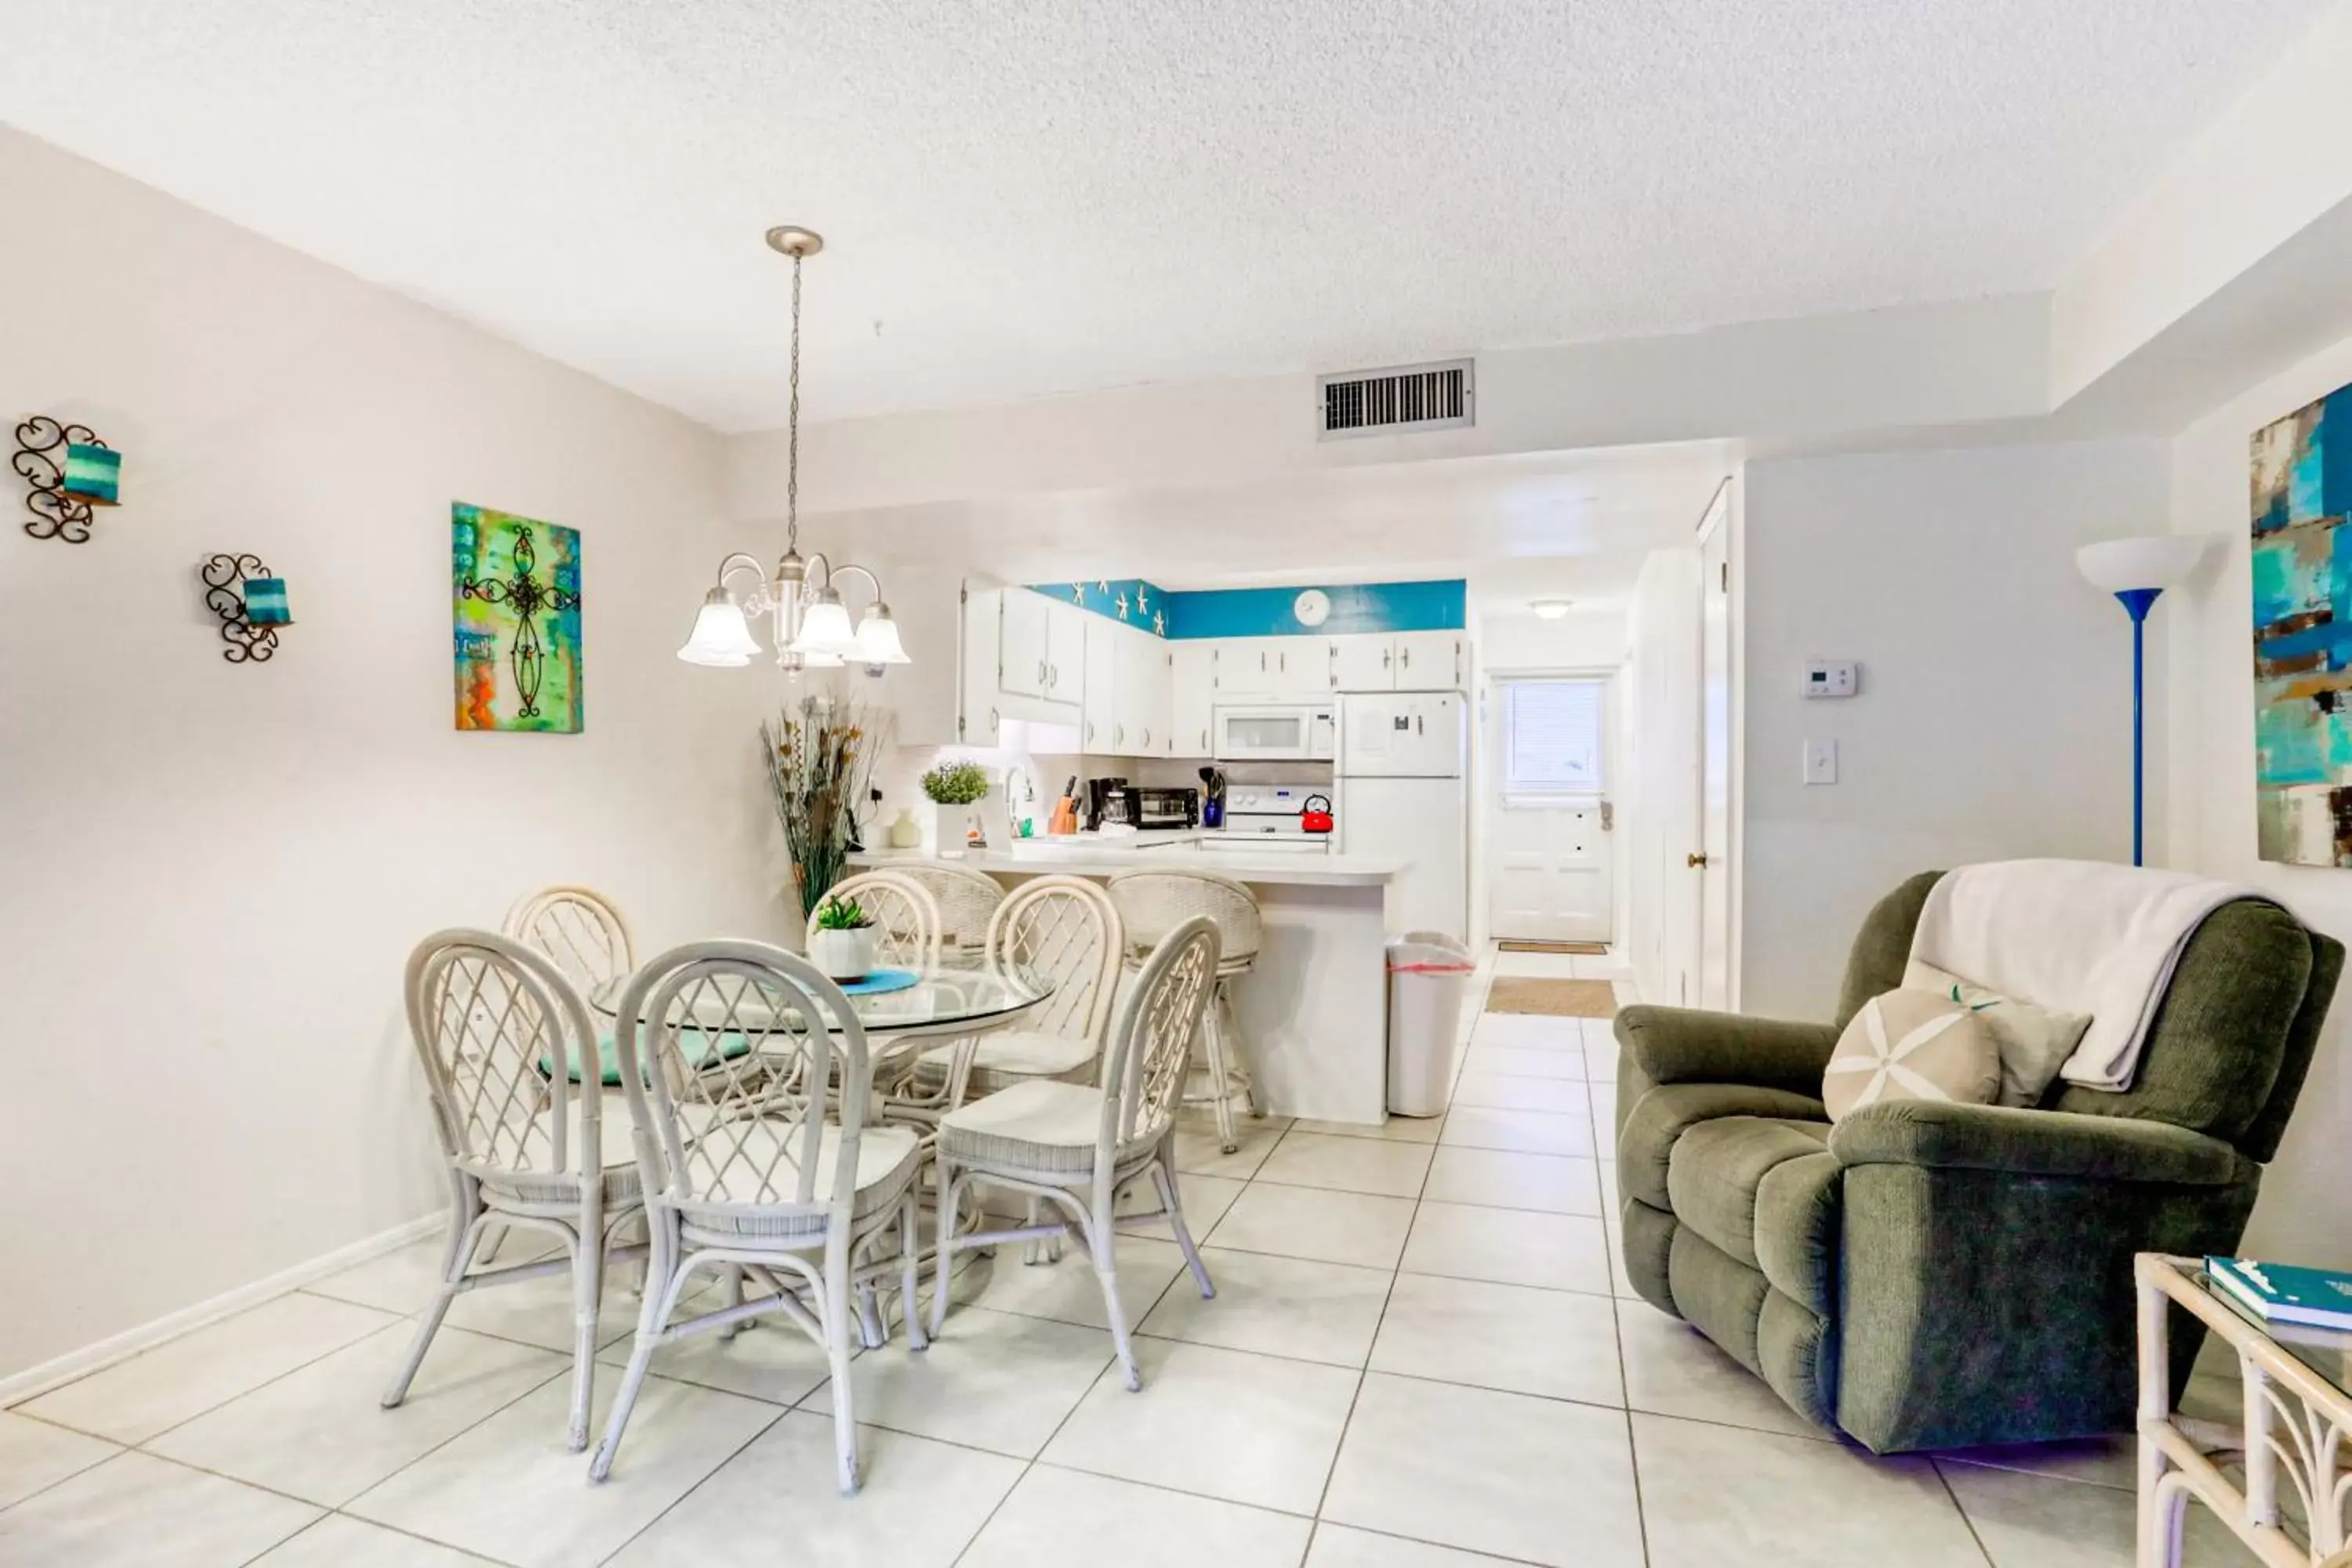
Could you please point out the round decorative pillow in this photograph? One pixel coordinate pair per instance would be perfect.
(1912, 1044)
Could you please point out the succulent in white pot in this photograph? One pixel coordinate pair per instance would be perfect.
(842, 943)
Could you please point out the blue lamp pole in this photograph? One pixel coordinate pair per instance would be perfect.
(2136, 572)
(2137, 603)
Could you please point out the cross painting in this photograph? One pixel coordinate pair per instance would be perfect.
(515, 584)
(2302, 494)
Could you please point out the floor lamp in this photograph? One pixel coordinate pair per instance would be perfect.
(2136, 571)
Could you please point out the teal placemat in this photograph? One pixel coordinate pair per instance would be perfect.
(881, 980)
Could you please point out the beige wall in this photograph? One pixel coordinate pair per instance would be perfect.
(212, 875)
(2211, 780)
(1994, 713)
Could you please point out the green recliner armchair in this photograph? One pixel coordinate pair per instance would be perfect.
(1927, 1275)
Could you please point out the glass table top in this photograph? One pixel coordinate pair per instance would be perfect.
(2325, 1352)
(943, 999)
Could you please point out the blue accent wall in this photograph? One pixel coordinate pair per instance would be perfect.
(1437, 606)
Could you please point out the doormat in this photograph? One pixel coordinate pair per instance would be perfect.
(1553, 998)
(1581, 948)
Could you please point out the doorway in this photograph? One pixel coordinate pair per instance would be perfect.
(1550, 876)
(1716, 989)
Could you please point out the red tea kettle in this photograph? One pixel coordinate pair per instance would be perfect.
(1315, 815)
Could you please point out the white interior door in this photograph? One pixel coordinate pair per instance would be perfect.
(1715, 989)
(1550, 873)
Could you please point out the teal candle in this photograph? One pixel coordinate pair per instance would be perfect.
(265, 603)
(93, 474)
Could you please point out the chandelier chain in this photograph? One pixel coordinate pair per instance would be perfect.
(792, 439)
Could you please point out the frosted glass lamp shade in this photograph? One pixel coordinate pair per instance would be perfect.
(722, 639)
(824, 628)
(877, 638)
(2154, 560)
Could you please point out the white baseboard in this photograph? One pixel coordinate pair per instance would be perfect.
(19, 1387)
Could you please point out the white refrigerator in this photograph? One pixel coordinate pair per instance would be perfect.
(1401, 788)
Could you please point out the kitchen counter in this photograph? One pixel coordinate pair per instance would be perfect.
(1083, 855)
(1313, 1009)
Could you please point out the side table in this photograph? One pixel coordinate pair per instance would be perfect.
(2296, 1425)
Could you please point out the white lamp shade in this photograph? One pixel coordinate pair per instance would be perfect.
(721, 638)
(2153, 561)
(877, 640)
(824, 628)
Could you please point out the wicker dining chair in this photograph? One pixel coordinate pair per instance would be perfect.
(966, 899)
(750, 1168)
(581, 928)
(494, 1023)
(1067, 929)
(1154, 903)
(1079, 1146)
(906, 917)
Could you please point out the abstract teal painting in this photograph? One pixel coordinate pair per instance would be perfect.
(2301, 497)
(515, 585)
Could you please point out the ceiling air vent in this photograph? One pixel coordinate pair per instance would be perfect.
(1406, 397)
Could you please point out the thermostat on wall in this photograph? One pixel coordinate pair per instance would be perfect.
(1825, 678)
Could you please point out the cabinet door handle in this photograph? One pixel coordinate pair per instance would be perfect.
(1386, 655)
(1147, 737)
(1405, 658)
(992, 720)
(1090, 732)
(1118, 735)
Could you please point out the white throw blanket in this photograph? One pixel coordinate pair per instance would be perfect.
(2079, 936)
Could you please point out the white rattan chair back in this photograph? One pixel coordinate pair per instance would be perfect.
(1143, 1081)
(1066, 928)
(582, 929)
(740, 1058)
(967, 900)
(494, 1023)
(906, 917)
(1155, 903)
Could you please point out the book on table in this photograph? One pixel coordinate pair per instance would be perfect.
(2285, 1292)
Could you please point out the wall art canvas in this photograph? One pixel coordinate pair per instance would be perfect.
(515, 584)
(2302, 495)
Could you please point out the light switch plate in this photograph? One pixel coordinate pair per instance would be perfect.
(1821, 762)
(1831, 677)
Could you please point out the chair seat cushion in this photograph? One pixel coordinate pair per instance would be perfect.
(1718, 1167)
(1039, 1126)
(1010, 1055)
(616, 1147)
(888, 1160)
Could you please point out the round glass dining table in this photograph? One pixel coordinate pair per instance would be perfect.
(944, 999)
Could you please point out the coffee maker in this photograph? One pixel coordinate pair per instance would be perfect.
(1212, 798)
(1106, 802)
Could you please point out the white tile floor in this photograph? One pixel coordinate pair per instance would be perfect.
(1421, 1356)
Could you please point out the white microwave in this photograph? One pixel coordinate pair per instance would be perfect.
(1272, 732)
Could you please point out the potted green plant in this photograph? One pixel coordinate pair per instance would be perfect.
(953, 788)
(842, 943)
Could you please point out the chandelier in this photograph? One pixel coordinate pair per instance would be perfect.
(810, 625)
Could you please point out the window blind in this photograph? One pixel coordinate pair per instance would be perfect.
(1552, 737)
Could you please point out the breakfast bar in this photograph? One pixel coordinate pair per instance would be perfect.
(1313, 1011)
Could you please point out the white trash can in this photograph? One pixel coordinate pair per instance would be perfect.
(1429, 975)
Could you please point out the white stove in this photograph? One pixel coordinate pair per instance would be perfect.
(1266, 818)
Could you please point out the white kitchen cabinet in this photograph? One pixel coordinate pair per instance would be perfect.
(1160, 700)
(1065, 649)
(1100, 709)
(980, 713)
(1027, 618)
(1248, 670)
(1432, 661)
(1303, 668)
(1141, 729)
(1193, 698)
(1364, 661)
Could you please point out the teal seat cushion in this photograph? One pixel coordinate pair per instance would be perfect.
(717, 1049)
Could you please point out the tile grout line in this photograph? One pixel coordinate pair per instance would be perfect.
(737, 1453)
(1967, 1523)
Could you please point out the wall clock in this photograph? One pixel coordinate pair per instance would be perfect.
(1312, 607)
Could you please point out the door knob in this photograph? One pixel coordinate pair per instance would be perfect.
(1695, 861)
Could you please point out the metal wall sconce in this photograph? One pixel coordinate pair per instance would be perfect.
(71, 471)
(250, 602)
